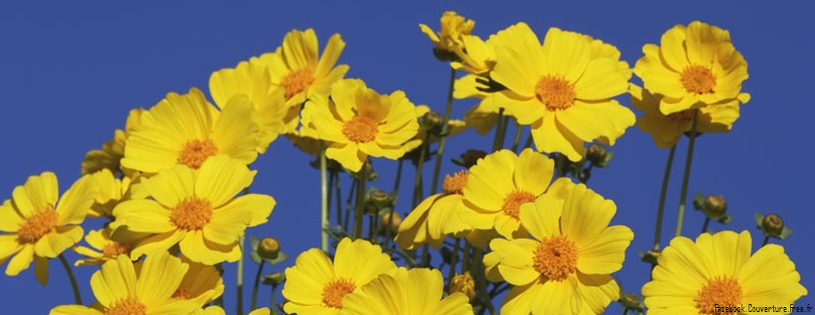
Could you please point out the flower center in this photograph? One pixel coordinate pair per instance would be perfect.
(555, 258)
(555, 93)
(683, 116)
(698, 79)
(192, 214)
(181, 294)
(335, 290)
(360, 129)
(455, 184)
(514, 200)
(195, 152)
(721, 292)
(297, 81)
(37, 226)
(128, 306)
(115, 249)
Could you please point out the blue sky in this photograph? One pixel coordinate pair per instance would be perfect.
(69, 73)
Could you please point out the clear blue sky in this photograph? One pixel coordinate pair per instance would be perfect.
(70, 71)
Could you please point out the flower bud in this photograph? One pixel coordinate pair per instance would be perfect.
(464, 284)
(630, 300)
(274, 279)
(772, 224)
(385, 221)
(596, 154)
(268, 248)
(715, 205)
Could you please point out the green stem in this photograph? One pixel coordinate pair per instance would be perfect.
(465, 261)
(425, 255)
(398, 175)
(354, 186)
(704, 226)
(662, 194)
(70, 272)
(440, 151)
(272, 306)
(496, 145)
(528, 143)
(766, 240)
(417, 183)
(517, 140)
(254, 302)
(481, 279)
(360, 201)
(683, 195)
(323, 200)
(453, 261)
(334, 179)
(239, 280)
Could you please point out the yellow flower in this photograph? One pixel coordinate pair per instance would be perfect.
(217, 310)
(563, 89)
(696, 66)
(186, 129)
(196, 210)
(106, 246)
(454, 126)
(315, 285)
(201, 284)
(298, 69)
(435, 217)
(667, 129)
(360, 122)
(453, 27)
(120, 289)
(113, 150)
(252, 79)
(416, 291)
(112, 191)
(500, 183)
(566, 268)
(718, 270)
(35, 227)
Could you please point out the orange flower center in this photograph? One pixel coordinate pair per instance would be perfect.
(683, 116)
(297, 81)
(181, 294)
(555, 93)
(37, 226)
(455, 184)
(698, 79)
(114, 249)
(721, 292)
(513, 202)
(128, 306)
(195, 152)
(192, 214)
(335, 290)
(555, 258)
(360, 129)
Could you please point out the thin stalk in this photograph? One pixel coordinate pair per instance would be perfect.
(465, 261)
(481, 279)
(662, 194)
(254, 302)
(683, 195)
(398, 175)
(272, 306)
(70, 272)
(528, 143)
(239, 279)
(323, 199)
(453, 261)
(335, 180)
(704, 226)
(417, 183)
(496, 143)
(351, 191)
(440, 151)
(360, 201)
(517, 140)
(766, 240)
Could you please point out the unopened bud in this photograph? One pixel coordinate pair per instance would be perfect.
(377, 200)
(596, 154)
(471, 157)
(772, 224)
(385, 221)
(433, 123)
(274, 279)
(269, 248)
(464, 284)
(630, 300)
(651, 256)
(715, 205)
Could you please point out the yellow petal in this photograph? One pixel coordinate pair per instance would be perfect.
(21, 261)
(77, 201)
(220, 178)
(143, 215)
(235, 133)
(54, 243)
(533, 172)
(159, 278)
(516, 260)
(605, 254)
(331, 53)
(116, 280)
(673, 48)
(565, 54)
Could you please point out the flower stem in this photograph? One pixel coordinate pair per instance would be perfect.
(351, 191)
(704, 226)
(766, 240)
(683, 195)
(363, 174)
(440, 151)
(417, 183)
(70, 272)
(662, 193)
(497, 142)
(517, 140)
(254, 302)
(323, 200)
(272, 306)
(453, 261)
(481, 279)
(239, 279)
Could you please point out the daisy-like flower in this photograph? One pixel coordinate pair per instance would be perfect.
(201, 284)
(296, 67)
(196, 210)
(453, 27)
(35, 227)
(563, 89)
(252, 79)
(695, 66)
(360, 122)
(454, 126)
(667, 129)
(186, 129)
(105, 247)
(315, 285)
(217, 310)
(500, 183)
(113, 190)
(120, 289)
(416, 291)
(717, 274)
(566, 268)
(113, 150)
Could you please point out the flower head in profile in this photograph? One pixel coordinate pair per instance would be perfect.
(36, 224)
(667, 129)
(251, 78)
(695, 66)
(453, 27)
(186, 129)
(566, 268)
(122, 289)
(563, 89)
(316, 285)
(104, 246)
(718, 270)
(500, 183)
(417, 291)
(197, 210)
(359, 122)
(300, 71)
(201, 284)
(217, 310)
